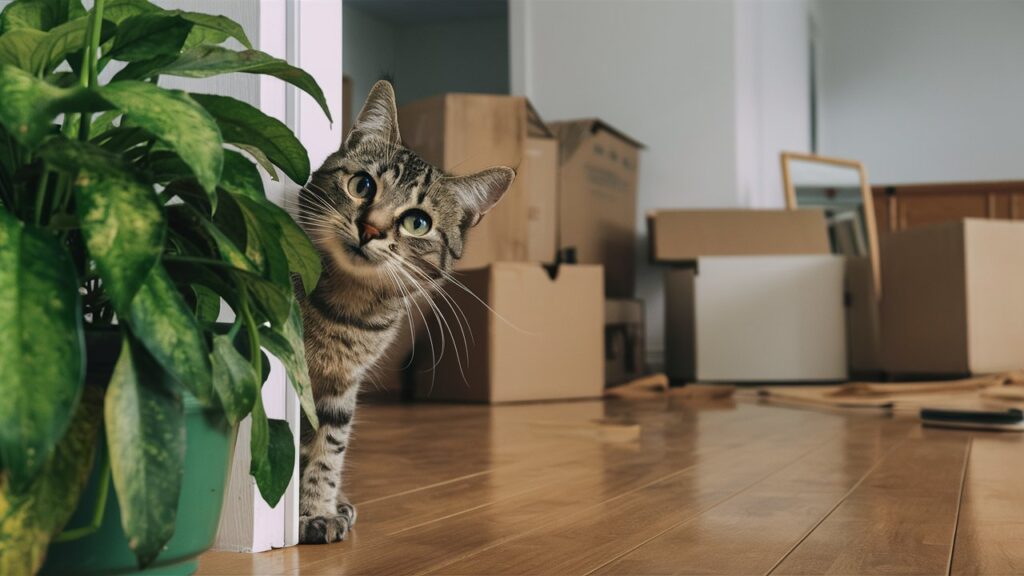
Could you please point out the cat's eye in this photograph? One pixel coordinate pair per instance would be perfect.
(362, 186)
(416, 222)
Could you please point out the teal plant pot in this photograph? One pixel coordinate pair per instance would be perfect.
(210, 442)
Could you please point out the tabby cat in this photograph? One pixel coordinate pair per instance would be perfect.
(388, 226)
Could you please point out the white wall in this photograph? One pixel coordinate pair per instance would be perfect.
(773, 88)
(923, 91)
(685, 77)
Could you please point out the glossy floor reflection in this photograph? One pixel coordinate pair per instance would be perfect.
(695, 488)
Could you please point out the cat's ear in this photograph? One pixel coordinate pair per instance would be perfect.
(479, 192)
(379, 116)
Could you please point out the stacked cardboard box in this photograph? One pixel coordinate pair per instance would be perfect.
(752, 296)
(952, 302)
(597, 200)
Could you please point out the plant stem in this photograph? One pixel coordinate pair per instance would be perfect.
(44, 182)
(89, 74)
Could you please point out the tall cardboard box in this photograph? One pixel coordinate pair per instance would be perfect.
(465, 133)
(952, 298)
(538, 337)
(756, 319)
(684, 235)
(597, 199)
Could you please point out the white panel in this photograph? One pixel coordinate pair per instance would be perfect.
(770, 318)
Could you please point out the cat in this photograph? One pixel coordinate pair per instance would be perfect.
(388, 226)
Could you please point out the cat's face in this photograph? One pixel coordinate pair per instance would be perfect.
(379, 212)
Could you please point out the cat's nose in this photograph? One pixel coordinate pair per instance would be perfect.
(369, 232)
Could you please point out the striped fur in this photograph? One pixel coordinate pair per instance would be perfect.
(373, 269)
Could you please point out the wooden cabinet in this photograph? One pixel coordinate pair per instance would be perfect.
(908, 205)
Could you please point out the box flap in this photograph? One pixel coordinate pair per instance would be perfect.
(535, 126)
(685, 235)
(571, 133)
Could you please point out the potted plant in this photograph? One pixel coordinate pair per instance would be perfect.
(128, 213)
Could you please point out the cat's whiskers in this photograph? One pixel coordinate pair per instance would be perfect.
(430, 337)
(459, 315)
(433, 307)
(408, 312)
(442, 321)
(462, 286)
(456, 309)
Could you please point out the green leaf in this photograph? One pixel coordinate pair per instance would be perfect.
(63, 40)
(303, 257)
(206, 61)
(260, 159)
(241, 123)
(39, 14)
(71, 156)
(41, 356)
(177, 120)
(212, 29)
(234, 379)
(229, 252)
(273, 454)
(263, 240)
(18, 46)
(207, 304)
(118, 11)
(241, 177)
(124, 227)
(29, 105)
(273, 300)
(285, 341)
(149, 35)
(145, 424)
(29, 521)
(162, 321)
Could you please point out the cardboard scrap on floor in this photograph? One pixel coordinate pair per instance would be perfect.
(657, 386)
(901, 397)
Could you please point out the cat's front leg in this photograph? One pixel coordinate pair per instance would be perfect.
(324, 515)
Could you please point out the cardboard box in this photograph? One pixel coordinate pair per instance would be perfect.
(597, 199)
(756, 319)
(952, 298)
(465, 133)
(624, 350)
(685, 235)
(863, 321)
(541, 339)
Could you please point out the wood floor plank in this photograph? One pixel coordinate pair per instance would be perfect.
(584, 542)
(749, 533)
(900, 520)
(990, 533)
(615, 471)
(706, 488)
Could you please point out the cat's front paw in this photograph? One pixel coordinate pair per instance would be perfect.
(324, 529)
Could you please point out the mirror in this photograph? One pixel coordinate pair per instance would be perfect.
(840, 188)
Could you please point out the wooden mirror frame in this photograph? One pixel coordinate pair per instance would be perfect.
(865, 192)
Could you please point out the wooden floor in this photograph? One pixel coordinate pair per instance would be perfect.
(713, 488)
